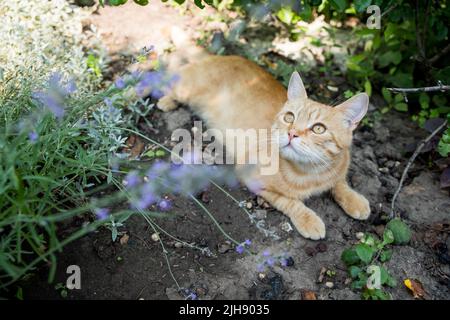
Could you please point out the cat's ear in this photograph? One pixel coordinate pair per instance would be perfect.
(296, 89)
(354, 109)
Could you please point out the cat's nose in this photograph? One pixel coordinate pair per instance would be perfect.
(292, 134)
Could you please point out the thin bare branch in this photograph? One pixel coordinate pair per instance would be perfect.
(408, 165)
(423, 89)
(439, 55)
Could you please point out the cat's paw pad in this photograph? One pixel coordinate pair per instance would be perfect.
(166, 103)
(309, 225)
(357, 207)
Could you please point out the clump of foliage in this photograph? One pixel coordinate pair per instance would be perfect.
(365, 260)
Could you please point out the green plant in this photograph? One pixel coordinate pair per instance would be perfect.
(364, 262)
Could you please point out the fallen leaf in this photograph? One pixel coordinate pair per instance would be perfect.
(124, 239)
(135, 146)
(415, 287)
(308, 295)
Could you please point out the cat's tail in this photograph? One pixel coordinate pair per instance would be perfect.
(186, 51)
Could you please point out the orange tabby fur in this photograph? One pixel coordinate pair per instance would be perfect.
(232, 92)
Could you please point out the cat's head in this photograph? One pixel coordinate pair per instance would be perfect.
(309, 132)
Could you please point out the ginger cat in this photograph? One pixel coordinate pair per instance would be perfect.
(315, 140)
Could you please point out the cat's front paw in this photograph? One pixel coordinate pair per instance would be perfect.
(356, 206)
(309, 224)
(166, 104)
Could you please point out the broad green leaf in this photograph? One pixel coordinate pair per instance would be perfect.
(117, 2)
(338, 5)
(390, 57)
(361, 5)
(386, 95)
(388, 237)
(350, 257)
(286, 15)
(424, 100)
(401, 231)
(354, 271)
(368, 87)
(141, 2)
(364, 252)
(386, 255)
(403, 107)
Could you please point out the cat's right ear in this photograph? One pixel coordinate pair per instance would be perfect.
(296, 89)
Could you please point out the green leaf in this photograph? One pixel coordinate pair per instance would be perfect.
(350, 257)
(160, 153)
(424, 100)
(117, 2)
(401, 232)
(388, 237)
(286, 15)
(361, 5)
(199, 4)
(338, 5)
(390, 57)
(368, 87)
(354, 271)
(141, 2)
(364, 252)
(403, 107)
(386, 255)
(386, 95)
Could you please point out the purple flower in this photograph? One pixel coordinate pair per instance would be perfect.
(71, 87)
(157, 94)
(248, 242)
(284, 262)
(260, 267)
(132, 179)
(270, 262)
(266, 253)
(147, 198)
(33, 136)
(50, 102)
(240, 249)
(119, 83)
(191, 296)
(164, 205)
(101, 213)
(108, 102)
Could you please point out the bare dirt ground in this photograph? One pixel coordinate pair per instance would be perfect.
(138, 269)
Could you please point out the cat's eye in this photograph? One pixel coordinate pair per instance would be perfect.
(318, 128)
(289, 117)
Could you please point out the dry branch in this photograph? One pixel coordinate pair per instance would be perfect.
(423, 89)
(410, 162)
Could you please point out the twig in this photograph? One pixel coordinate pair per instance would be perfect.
(439, 55)
(423, 89)
(410, 162)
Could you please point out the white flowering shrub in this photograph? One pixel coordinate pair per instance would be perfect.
(40, 37)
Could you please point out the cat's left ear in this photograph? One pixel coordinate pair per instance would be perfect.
(296, 89)
(354, 109)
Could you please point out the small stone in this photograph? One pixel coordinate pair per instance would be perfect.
(155, 237)
(249, 205)
(348, 281)
(194, 130)
(383, 170)
(262, 276)
(141, 298)
(225, 247)
(178, 245)
(321, 247)
(322, 273)
(329, 284)
(359, 235)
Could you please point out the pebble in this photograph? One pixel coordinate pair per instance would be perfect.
(383, 170)
(178, 245)
(249, 205)
(329, 284)
(359, 235)
(155, 236)
(286, 227)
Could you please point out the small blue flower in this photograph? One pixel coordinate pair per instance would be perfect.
(270, 262)
(260, 267)
(248, 242)
(164, 205)
(101, 213)
(191, 296)
(120, 83)
(266, 253)
(33, 136)
(108, 102)
(240, 249)
(284, 262)
(132, 179)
